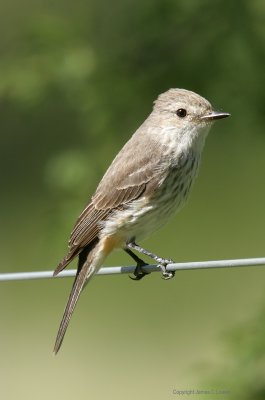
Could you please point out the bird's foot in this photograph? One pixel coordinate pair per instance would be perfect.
(162, 262)
(163, 265)
(138, 272)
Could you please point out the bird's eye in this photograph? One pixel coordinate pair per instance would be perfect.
(181, 112)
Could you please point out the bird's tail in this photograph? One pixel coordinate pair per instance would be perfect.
(85, 272)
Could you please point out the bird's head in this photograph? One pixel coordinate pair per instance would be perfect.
(185, 112)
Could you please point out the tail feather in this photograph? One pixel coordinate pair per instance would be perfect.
(81, 279)
(82, 252)
(88, 264)
(65, 261)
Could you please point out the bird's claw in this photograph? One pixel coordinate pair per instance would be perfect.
(167, 274)
(139, 273)
(163, 262)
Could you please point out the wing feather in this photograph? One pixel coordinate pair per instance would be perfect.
(127, 178)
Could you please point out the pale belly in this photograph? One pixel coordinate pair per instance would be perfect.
(146, 215)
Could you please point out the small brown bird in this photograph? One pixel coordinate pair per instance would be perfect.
(146, 183)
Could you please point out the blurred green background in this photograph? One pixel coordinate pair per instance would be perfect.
(76, 80)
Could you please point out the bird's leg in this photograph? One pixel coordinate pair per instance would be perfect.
(163, 262)
(138, 272)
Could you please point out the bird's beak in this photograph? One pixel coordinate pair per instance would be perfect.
(214, 115)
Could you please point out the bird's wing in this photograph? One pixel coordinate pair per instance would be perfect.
(85, 232)
(131, 174)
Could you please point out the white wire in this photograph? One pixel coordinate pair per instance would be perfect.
(245, 262)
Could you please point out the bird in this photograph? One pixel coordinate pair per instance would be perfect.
(147, 182)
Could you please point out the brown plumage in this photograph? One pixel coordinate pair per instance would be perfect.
(114, 191)
(147, 181)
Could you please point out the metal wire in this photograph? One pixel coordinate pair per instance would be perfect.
(245, 262)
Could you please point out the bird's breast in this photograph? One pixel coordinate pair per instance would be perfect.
(147, 214)
(177, 183)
